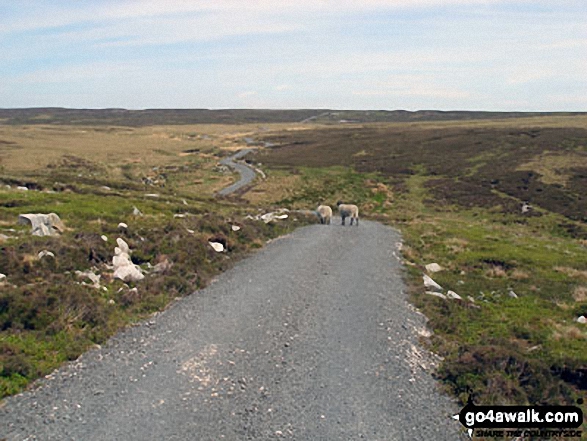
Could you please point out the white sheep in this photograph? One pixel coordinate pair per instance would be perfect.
(324, 213)
(348, 210)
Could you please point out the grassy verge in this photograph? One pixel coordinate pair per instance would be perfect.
(50, 312)
(460, 206)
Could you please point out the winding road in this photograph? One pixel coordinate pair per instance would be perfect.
(311, 338)
(246, 172)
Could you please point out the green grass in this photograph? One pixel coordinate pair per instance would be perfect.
(456, 198)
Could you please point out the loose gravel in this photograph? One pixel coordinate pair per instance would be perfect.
(311, 338)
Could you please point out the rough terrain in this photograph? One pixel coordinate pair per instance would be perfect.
(312, 338)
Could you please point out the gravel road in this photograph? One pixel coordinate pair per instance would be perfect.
(311, 338)
(246, 172)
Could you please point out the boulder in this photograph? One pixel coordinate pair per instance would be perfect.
(122, 246)
(42, 224)
(218, 247)
(124, 269)
(433, 268)
(582, 320)
(129, 273)
(431, 285)
(453, 295)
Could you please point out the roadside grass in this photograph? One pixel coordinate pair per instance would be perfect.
(455, 192)
(49, 313)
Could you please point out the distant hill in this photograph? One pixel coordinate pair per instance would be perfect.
(149, 117)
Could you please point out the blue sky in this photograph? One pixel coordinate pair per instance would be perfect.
(340, 54)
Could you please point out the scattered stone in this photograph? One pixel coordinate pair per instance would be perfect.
(21, 188)
(471, 299)
(124, 269)
(94, 278)
(122, 226)
(526, 207)
(105, 187)
(4, 237)
(2, 278)
(453, 295)
(45, 253)
(218, 247)
(431, 285)
(512, 294)
(104, 238)
(433, 268)
(582, 319)
(436, 294)
(136, 211)
(268, 217)
(42, 224)
(235, 228)
(184, 202)
(152, 195)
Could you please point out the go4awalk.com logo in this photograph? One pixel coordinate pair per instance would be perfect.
(522, 421)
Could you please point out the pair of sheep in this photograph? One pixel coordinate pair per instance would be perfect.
(345, 210)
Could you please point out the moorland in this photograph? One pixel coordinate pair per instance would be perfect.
(453, 183)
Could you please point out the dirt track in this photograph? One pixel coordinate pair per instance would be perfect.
(312, 338)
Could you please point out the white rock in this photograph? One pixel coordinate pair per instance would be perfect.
(471, 299)
(218, 247)
(582, 320)
(436, 294)
(152, 195)
(180, 216)
(21, 188)
(105, 187)
(45, 253)
(104, 238)
(124, 248)
(453, 295)
(42, 224)
(136, 211)
(2, 278)
(184, 202)
(235, 228)
(433, 268)
(129, 273)
(512, 294)
(94, 278)
(122, 225)
(431, 284)
(121, 259)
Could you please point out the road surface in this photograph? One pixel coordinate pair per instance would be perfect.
(311, 338)
(247, 173)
